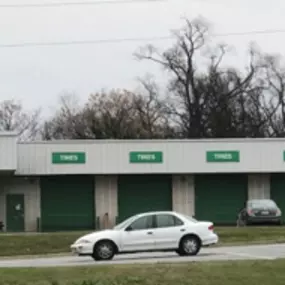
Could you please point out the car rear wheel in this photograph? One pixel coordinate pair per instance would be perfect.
(103, 250)
(189, 245)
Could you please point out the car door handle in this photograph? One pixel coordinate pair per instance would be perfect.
(149, 233)
(182, 230)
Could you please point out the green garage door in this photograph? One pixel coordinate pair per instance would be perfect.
(277, 185)
(143, 193)
(67, 203)
(219, 197)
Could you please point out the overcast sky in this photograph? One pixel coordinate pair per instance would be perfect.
(37, 75)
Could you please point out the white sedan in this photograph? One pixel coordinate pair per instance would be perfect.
(148, 232)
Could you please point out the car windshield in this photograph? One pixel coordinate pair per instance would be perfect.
(262, 203)
(125, 223)
(191, 219)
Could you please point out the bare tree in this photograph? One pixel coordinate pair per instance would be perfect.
(215, 101)
(205, 102)
(122, 114)
(67, 121)
(179, 62)
(117, 114)
(153, 112)
(111, 115)
(275, 79)
(14, 118)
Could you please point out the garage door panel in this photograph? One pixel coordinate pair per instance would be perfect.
(67, 203)
(69, 222)
(219, 197)
(143, 193)
(277, 191)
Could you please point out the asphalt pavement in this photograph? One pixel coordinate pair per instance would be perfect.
(265, 252)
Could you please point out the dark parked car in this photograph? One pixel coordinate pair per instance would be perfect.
(260, 211)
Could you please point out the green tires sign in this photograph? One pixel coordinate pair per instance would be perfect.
(146, 157)
(222, 156)
(68, 158)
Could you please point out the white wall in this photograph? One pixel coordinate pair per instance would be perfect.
(31, 189)
(8, 152)
(106, 199)
(112, 157)
(259, 186)
(183, 194)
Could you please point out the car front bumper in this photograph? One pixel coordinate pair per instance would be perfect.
(210, 240)
(82, 249)
(264, 219)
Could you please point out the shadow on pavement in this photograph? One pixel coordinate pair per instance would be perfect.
(143, 258)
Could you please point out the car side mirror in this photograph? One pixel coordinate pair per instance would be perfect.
(128, 229)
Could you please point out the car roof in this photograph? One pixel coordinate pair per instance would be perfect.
(257, 200)
(156, 213)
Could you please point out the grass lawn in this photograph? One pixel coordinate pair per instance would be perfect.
(53, 243)
(252, 235)
(215, 273)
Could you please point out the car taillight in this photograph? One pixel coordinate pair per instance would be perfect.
(278, 213)
(211, 228)
(250, 212)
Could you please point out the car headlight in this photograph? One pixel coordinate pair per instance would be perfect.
(83, 241)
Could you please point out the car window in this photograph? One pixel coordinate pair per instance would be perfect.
(191, 219)
(124, 223)
(142, 223)
(166, 220)
(261, 203)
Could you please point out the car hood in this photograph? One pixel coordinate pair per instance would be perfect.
(95, 235)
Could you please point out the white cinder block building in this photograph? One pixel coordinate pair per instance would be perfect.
(76, 185)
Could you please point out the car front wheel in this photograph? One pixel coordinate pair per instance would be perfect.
(103, 250)
(189, 245)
